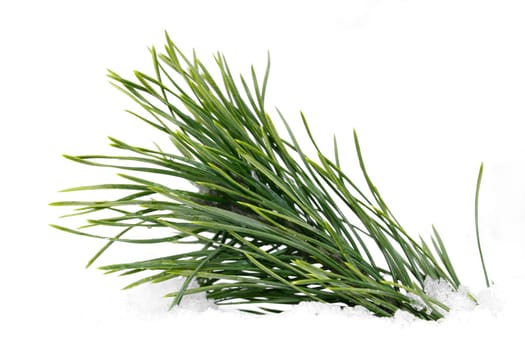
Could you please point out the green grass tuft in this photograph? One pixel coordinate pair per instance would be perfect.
(271, 225)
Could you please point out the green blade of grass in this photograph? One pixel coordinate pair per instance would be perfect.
(476, 216)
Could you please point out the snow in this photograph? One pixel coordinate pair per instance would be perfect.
(433, 88)
(314, 325)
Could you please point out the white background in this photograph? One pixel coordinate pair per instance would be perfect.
(433, 88)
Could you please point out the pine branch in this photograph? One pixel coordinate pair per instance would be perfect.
(272, 225)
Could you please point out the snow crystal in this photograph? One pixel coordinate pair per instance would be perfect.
(254, 175)
(417, 301)
(443, 292)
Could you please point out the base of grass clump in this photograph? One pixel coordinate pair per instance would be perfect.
(271, 225)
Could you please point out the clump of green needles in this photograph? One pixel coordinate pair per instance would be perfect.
(266, 223)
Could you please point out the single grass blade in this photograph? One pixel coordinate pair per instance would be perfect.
(476, 216)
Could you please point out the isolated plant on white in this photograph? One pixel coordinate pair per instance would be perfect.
(266, 223)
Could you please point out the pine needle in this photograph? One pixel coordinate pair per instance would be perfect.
(476, 207)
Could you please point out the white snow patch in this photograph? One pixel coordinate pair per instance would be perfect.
(149, 299)
(459, 302)
(441, 291)
(461, 306)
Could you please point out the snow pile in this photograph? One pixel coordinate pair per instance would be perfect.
(441, 291)
(459, 302)
(488, 306)
(314, 324)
